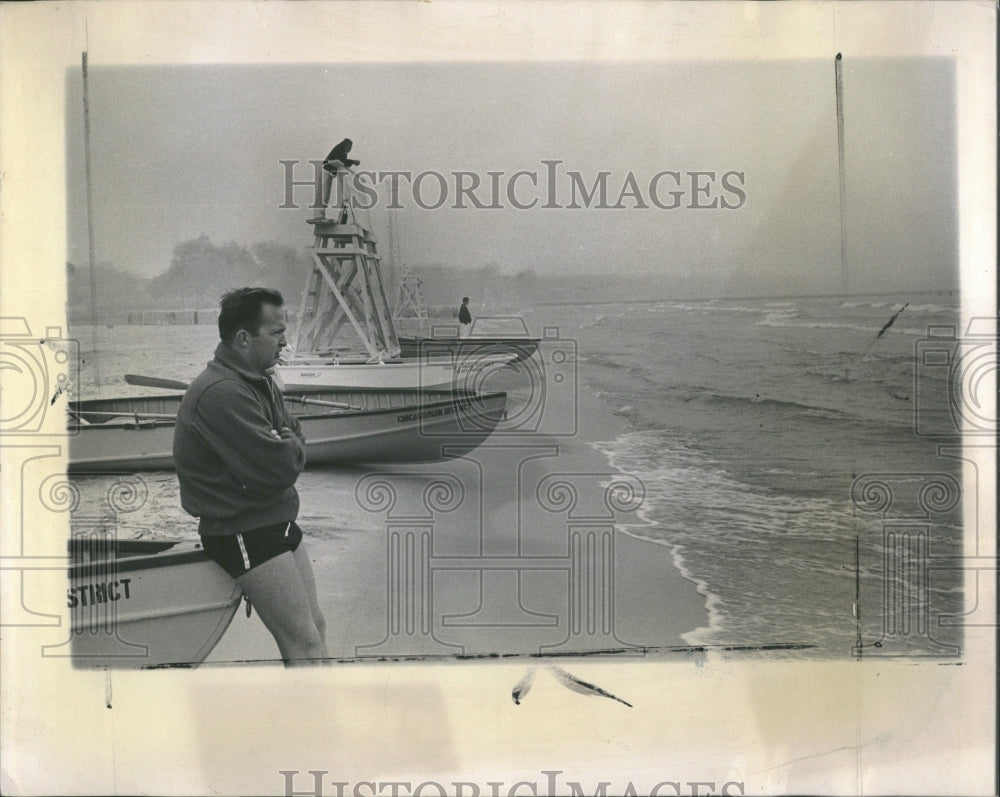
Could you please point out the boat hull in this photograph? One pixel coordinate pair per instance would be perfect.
(388, 426)
(436, 372)
(143, 603)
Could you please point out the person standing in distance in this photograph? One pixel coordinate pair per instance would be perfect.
(464, 319)
(238, 453)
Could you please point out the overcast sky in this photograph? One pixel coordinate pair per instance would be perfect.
(183, 150)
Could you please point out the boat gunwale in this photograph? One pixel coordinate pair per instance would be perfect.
(147, 561)
(128, 421)
(317, 360)
(472, 339)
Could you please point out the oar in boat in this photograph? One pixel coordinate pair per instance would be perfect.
(173, 384)
(155, 381)
(159, 416)
(320, 403)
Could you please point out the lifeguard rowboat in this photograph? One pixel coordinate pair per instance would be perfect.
(146, 603)
(419, 347)
(391, 425)
(319, 373)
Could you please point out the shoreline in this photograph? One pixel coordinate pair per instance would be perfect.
(702, 635)
(478, 518)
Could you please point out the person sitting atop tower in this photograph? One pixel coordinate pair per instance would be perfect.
(337, 161)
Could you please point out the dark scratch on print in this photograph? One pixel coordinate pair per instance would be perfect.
(630, 652)
(522, 687)
(59, 391)
(840, 749)
(566, 679)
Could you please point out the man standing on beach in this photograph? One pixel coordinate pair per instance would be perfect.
(464, 319)
(336, 162)
(238, 453)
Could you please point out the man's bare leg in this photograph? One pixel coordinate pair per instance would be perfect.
(309, 582)
(279, 593)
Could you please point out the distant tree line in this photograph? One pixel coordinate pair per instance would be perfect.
(199, 273)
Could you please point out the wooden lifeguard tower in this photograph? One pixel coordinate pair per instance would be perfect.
(344, 309)
(410, 298)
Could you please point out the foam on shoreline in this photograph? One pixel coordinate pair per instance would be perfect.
(657, 604)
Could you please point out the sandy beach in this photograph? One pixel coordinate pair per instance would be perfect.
(511, 549)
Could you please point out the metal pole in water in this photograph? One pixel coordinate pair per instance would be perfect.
(90, 228)
(839, 78)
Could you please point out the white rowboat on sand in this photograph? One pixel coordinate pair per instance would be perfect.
(390, 425)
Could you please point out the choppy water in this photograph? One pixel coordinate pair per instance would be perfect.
(752, 420)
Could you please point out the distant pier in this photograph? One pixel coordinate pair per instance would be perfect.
(116, 317)
(172, 317)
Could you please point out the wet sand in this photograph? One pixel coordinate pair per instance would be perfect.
(515, 548)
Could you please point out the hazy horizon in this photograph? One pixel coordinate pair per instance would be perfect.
(181, 151)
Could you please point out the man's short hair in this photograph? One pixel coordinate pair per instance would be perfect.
(465, 299)
(240, 309)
